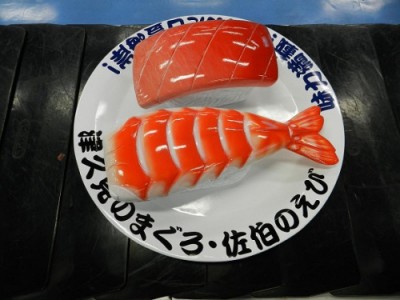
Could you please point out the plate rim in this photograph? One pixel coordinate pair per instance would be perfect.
(122, 229)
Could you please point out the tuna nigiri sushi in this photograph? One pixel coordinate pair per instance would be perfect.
(184, 62)
(171, 150)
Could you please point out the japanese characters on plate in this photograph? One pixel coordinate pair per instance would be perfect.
(275, 200)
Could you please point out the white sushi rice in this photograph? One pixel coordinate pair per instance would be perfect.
(216, 98)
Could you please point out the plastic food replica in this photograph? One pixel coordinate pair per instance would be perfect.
(171, 150)
(185, 63)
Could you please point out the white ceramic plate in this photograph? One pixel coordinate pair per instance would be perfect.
(277, 198)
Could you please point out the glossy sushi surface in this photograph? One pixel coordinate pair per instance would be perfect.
(203, 56)
(170, 150)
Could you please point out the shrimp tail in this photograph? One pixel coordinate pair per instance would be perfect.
(305, 139)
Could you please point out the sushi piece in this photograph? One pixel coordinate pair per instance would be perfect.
(185, 63)
(171, 150)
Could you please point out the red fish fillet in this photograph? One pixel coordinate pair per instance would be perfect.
(173, 149)
(202, 56)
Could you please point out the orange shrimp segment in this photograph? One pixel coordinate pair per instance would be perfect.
(214, 154)
(267, 136)
(235, 136)
(182, 124)
(127, 170)
(162, 169)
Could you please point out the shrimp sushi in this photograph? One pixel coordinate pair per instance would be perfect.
(184, 63)
(171, 150)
